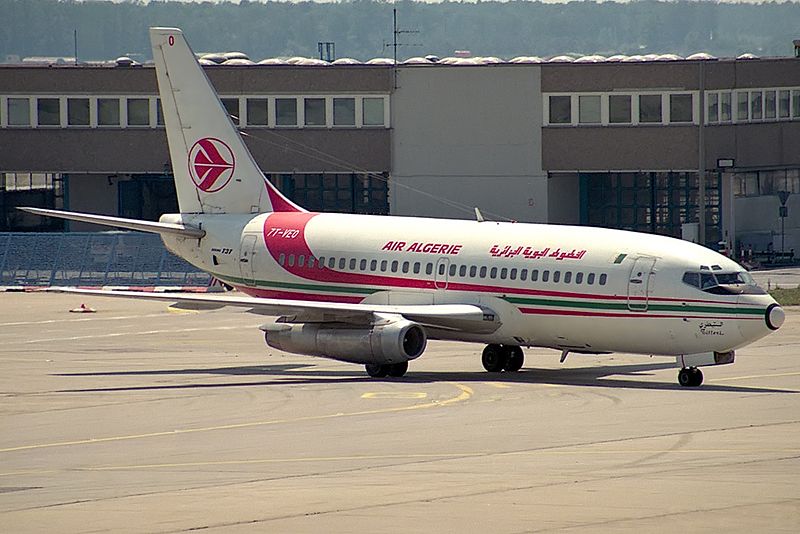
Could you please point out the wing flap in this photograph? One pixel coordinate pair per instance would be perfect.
(467, 317)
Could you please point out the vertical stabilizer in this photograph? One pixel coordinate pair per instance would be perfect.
(214, 171)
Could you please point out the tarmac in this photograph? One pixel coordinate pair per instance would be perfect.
(139, 419)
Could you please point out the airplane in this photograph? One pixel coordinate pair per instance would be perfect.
(373, 290)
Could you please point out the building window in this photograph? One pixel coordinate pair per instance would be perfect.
(619, 109)
(19, 112)
(286, 111)
(78, 112)
(783, 104)
(314, 109)
(770, 111)
(713, 107)
(108, 111)
(560, 109)
(680, 108)
(650, 108)
(231, 106)
(138, 112)
(755, 105)
(589, 109)
(48, 112)
(742, 108)
(795, 103)
(372, 111)
(344, 111)
(159, 113)
(725, 109)
(257, 114)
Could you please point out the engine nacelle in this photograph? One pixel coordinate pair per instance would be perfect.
(386, 343)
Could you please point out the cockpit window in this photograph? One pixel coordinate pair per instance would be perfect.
(720, 283)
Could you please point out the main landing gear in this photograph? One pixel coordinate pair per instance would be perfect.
(497, 358)
(395, 370)
(690, 377)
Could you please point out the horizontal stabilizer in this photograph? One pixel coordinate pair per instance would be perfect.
(119, 222)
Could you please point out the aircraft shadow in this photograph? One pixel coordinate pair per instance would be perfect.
(303, 374)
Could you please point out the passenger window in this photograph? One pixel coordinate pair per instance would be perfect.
(428, 268)
(373, 265)
(311, 262)
(417, 267)
(442, 269)
(603, 278)
(462, 271)
(473, 270)
(282, 258)
(384, 264)
(590, 279)
(482, 272)
(493, 272)
(567, 277)
(342, 264)
(452, 269)
(693, 279)
(513, 274)
(405, 266)
(534, 275)
(503, 273)
(395, 263)
(321, 262)
(578, 278)
(556, 276)
(363, 265)
(523, 274)
(301, 260)
(352, 264)
(545, 276)
(291, 260)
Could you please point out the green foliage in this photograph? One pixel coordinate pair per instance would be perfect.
(362, 28)
(786, 297)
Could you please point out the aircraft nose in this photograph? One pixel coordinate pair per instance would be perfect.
(774, 316)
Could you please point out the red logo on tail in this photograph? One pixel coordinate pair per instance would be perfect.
(211, 164)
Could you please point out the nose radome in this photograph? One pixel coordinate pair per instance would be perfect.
(775, 316)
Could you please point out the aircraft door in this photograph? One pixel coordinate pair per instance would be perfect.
(441, 275)
(640, 283)
(247, 258)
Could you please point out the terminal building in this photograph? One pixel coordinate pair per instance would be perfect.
(702, 148)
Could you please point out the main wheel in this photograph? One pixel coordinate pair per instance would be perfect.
(493, 358)
(515, 358)
(398, 369)
(376, 370)
(690, 377)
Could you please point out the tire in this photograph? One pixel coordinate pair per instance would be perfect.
(515, 359)
(493, 358)
(398, 369)
(697, 377)
(376, 370)
(690, 377)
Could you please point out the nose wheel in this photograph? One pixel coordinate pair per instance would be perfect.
(497, 358)
(690, 377)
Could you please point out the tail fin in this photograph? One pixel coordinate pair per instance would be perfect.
(214, 172)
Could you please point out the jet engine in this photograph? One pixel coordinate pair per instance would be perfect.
(385, 343)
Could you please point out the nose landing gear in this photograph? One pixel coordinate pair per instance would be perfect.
(497, 358)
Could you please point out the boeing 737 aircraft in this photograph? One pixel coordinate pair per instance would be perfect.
(374, 289)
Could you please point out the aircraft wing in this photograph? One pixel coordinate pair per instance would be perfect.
(461, 317)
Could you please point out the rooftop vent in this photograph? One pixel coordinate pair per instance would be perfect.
(215, 58)
(701, 56)
(561, 59)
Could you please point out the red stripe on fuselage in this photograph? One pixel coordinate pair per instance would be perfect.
(276, 225)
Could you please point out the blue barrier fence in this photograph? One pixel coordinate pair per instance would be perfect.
(92, 259)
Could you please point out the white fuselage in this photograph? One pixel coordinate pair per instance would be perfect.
(571, 288)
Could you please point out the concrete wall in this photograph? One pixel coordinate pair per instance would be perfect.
(471, 136)
(758, 223)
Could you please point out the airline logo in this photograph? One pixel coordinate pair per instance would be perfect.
(211, 164)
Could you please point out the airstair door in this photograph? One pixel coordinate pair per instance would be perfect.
(640, 283)
(247, 258)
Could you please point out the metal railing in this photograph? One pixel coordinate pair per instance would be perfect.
(92, 259)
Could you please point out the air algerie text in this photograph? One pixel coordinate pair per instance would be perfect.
(423, 248)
